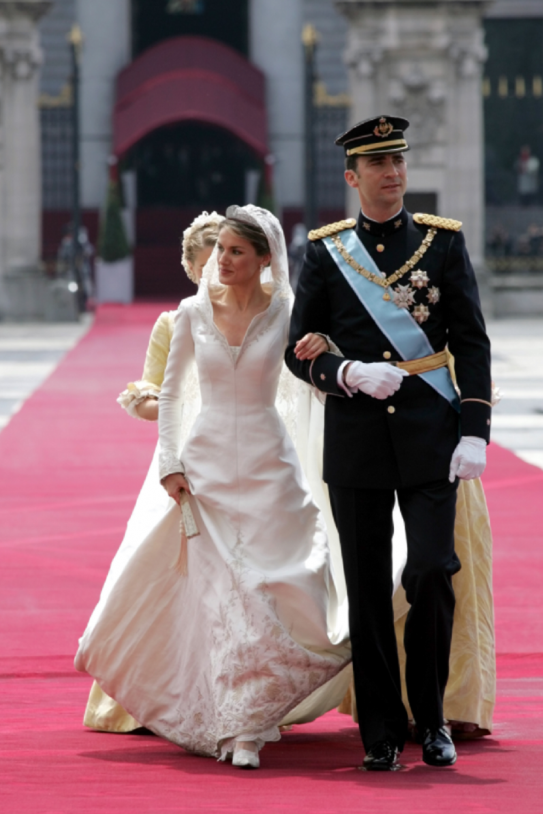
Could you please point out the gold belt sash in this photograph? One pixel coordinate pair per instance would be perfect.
(425, 364)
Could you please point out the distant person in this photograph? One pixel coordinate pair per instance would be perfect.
(527, 167)
(535, 235)
(76, 267)
(499, 243)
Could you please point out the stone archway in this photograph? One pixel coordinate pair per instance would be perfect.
(193, 109)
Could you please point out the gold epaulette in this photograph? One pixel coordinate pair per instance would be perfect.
(331, 229)
(438, 223)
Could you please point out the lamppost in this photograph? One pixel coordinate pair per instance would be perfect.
(310, 39)
(75, 38)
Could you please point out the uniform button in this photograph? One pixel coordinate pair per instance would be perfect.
(387, 354)
(391, 409)
(380, 247)
(323, 377)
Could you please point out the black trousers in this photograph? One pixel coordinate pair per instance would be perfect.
(364, 521)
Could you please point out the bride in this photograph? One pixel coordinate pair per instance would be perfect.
(211, 641)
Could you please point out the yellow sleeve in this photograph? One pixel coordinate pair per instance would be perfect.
(155, 365)
(158, 349)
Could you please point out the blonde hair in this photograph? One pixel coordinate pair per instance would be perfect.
(202, 233)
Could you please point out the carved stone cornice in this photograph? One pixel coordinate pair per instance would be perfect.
(34, 9)
(363, 56)
(444, 32)
(376, 4)
(21, 59)
(20, 52)
(352, 8)
(468, 54)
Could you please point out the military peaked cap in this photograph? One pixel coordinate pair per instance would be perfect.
(384, 134)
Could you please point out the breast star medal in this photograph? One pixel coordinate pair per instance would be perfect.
(403, 296)
(419, 279)
(434, 295)
(421, 313)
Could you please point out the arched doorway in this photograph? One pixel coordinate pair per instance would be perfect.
(192, 165)
(190, 121)
(181, 170)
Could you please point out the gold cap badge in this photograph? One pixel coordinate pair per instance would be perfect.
(384, 128)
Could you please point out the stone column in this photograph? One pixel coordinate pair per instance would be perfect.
(20, 191)
(106, 27)
(423, 59)
(276, 48)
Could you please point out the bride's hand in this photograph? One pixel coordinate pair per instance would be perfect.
(311, 346)
(174, 484)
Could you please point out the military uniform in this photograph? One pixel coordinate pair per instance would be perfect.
(403, 444)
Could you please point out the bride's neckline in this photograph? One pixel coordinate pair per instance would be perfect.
(262, 319)
(250, 325)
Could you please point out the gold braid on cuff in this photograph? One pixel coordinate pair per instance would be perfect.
(481, 401)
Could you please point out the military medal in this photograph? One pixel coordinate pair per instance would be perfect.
(421, 313)
(419, 279)
(403, 296)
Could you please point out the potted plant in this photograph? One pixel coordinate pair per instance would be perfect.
(114, 271)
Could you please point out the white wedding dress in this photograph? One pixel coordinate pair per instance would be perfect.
(250, 634)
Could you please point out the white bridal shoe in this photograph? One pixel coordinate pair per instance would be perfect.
(246, 758)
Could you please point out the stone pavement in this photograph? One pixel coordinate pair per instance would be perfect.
(517, 369)
(30, 352)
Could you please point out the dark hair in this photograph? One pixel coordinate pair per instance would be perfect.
(351, 162)
(250, 232)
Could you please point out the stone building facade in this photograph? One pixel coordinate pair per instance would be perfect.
(424, 61)
(421, 58)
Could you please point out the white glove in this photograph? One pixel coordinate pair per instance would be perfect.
(469, 458)
(377, 379)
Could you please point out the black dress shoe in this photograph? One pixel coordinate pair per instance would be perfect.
(382, 757)
(438, 748)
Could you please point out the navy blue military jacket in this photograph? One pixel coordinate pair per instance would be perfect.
(408, 439)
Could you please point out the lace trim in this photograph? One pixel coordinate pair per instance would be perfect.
(169, 464)
(135, 393)
(265, 320)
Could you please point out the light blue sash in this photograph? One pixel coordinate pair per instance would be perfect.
(397, 324)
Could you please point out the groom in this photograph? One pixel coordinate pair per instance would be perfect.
(393, 291)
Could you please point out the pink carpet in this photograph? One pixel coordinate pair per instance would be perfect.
(71, 464)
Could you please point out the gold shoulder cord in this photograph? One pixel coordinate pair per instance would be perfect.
(331, 229)
(385, 282)
(436, 221)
